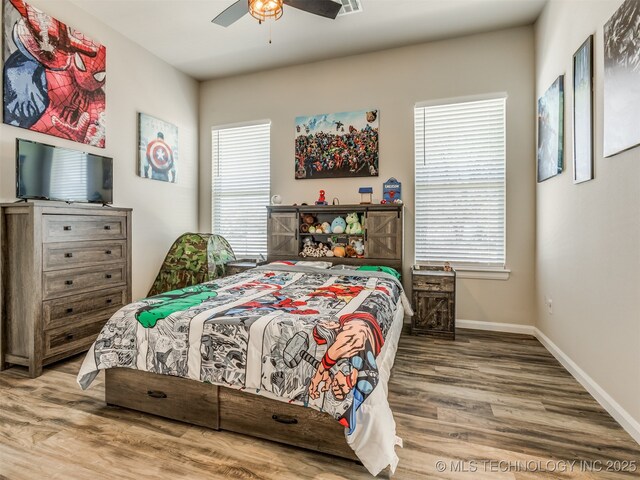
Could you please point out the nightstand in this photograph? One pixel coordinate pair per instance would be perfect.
(434, 302)
(238, 266)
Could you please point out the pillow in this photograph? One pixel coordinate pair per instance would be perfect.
(376, 268)
(304, 263)
(344, 267)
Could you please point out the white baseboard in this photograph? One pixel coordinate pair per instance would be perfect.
(626, 421)
(630, 424)
(495, 326)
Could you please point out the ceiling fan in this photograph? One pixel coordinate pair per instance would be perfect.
(323, 8)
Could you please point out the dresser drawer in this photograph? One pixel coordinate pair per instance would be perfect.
(62, 228)
(57, 256)
(71, 339)
(262, 417)
(71, 310)
(67, 282)
(172, 397)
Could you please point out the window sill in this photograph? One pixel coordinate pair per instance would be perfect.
(483, 273)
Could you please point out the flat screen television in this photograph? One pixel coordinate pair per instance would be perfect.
(56, 173)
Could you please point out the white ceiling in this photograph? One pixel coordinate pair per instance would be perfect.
(181, 33)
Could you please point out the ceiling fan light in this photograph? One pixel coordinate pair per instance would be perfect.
(266, 10)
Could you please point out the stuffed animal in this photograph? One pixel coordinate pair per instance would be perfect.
(311, 229)
(326, 227)
(339, 251)
(312, 249)
(358, 246)
(304, 228)
(353, 224)
(338, 225)
(349, 251)
(308, 219)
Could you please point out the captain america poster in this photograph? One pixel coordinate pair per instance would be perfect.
(157, 149)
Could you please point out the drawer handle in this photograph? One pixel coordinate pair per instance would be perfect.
(108, 275)
(107, 227)
(68, 255)
(68, 282)
(109, 300)
(66, 228)
(108, 252)
(284, 419)
(69, 336)
(69, 310)
(156, 394)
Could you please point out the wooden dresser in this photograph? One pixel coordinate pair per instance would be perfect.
(434, 302)
(64, 270)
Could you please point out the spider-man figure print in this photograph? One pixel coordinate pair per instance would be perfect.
(54, 78)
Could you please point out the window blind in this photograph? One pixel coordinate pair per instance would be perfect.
(240, 184)
(68, 176)
(460, 183)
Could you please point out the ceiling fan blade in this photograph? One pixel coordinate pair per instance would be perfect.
(324, 8)
(232, 14)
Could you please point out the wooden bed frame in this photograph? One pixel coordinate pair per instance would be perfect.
(222, 408)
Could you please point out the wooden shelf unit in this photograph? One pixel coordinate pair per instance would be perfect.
(382, 235)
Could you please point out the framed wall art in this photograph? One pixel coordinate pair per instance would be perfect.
(551, 131)
(337, 145)
(622, 79)
(583, 112)
(157, 149)
(53, 76)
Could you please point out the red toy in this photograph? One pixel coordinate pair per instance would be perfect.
(321, 200)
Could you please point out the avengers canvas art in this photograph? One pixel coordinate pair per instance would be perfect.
(53, 76)
(337, 145)
(157, 149)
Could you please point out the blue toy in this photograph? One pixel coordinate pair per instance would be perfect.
(338, 225)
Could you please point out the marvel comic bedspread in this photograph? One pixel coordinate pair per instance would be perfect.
(303, 335)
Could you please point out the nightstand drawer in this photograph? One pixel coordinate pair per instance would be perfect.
(434, 284)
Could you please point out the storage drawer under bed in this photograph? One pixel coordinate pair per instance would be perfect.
(226, 409)
(164, 395)
(282, 422)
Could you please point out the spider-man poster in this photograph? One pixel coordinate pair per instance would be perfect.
(53, 76)
(157, 149)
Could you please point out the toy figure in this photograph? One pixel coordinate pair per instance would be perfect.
(321, 199)
(353, 224)
(338, 225)
(358, 246)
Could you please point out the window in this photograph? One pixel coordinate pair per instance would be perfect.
(240, 184)
(460, 183)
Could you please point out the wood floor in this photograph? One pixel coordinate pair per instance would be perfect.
(485, 398)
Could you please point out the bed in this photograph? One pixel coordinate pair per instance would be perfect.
(293, 352)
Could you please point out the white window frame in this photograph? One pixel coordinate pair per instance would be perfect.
(474, 271)
(260, 255)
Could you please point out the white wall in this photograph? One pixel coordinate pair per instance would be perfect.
(136, 81)
(393, 81)
(588, 235)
